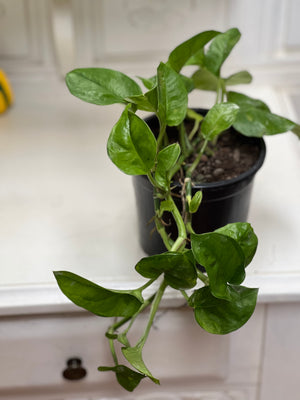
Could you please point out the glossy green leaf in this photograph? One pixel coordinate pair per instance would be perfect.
(149, 83)
(243, 233)
(220, 316)
(172, 96)
(257, 123)
(219, 50)
(188, 83)
(219, 118)
(166, 159)
(197, 58)
(134, 356)
(101, 86)
(126, 377)
(182, 53)
(244, 101)
(96, 299)
(195, 202)
(239, 78)
(178, 269)
(131, 145)
(205, 80)
(223, 260)
(145, 102)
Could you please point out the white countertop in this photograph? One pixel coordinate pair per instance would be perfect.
(64, 205)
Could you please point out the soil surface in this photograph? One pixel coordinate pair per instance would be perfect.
(232, 155)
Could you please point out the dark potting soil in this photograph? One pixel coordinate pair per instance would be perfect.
(232, 155)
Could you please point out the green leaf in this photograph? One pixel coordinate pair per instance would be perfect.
(220, 316)
(149, 83)
(243, 233)
(296, 130)
(219, 118)
(126, 377)
(182, 53)
(256, 122)
(244, 101)
(134, 356)
(205, 80)
(101, 86)
(131, 145)
(166, 159)
(178, 269)
(145, 102)
(197, 58)
(223, 260)
(188, 83)
(172, 96)
(239, 78)
(219, 50)
(195, 202)
(96, 299)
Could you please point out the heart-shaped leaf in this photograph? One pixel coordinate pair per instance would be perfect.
(101, 86)
(243, 233)
(239, 78)
(134, 356)
(219, 118)
(126, 377)
(172, 96)
(131, 145)
(166, 159)
(96, 299)
(244, 101)
(178, 269)
(219, 50)
(182, 53)
(221, 316)
(223, 260)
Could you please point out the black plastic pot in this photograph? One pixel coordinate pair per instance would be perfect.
(223, 202)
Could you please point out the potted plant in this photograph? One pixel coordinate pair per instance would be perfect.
(206, 268)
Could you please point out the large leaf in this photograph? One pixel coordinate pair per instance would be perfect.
(172, 96)
(220, 49)
(131, 145)
(182, 53)
(256, 122)
(134, 356)
(244, 101)
(166, 159)
(101, 86)
(220, 316)
(178, 269)
(238, 78)
(126, 377)
(219, 118)
(96, 299)
(205, 80)
(243, 233)
(223, 260)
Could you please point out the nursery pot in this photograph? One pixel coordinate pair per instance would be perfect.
(223, 202)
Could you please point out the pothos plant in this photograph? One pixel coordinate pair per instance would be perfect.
(220, 303)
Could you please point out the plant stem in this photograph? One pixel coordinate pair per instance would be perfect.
(197, 160)
(203, 277)
(153, 311)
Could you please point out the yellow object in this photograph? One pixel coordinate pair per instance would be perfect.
(6, 94)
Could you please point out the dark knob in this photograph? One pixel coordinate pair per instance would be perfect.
(74, 370)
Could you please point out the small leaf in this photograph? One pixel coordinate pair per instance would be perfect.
(178, 269)
(96, 299)
(220, 316)
(149, 83)
(131, 145)
(257, 123)
(296, 130)
(223, 259)
(243, 233)
(188, 83)
(205, 80)
(239, 78)
(126, 377)
(166, 159)
(172, 96)
(195, 202)
(134, 356)
(219, 118)
(220, 49)
(101, 86)
(182, 53)
(244, 101)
